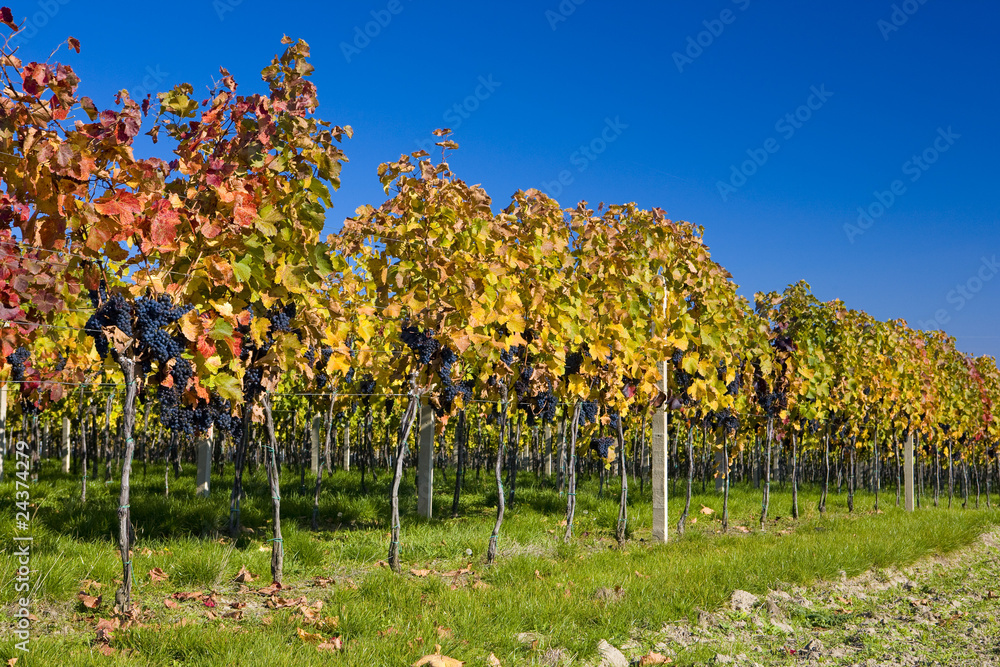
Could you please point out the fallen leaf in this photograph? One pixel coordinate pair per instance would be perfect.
(211, 615)
(707, 510)
(157, 575)
(537, 575)
(332, 644)
(147, 551)
(741, 529)
(89, 601)
(694, 520)
(653, 658)
(309, 636)
(322, 582)
(170, 603)
(388, 631)
(106, 650)
(244, 576)
(444, 633)
(438, 660)
(640, 574)
(270, 590)
(193, 595)
(12, 662)
(493, 661)
(419, 573)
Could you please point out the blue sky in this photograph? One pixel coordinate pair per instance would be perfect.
(770, 124)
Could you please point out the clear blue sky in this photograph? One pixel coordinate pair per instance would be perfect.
(921, 84)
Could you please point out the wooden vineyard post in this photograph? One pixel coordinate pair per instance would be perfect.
(204, 463)
(425, 461)
(660, 463)
(66, 449)
(908, 472)
(317, 429)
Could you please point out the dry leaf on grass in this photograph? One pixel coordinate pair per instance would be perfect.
(309, 636)
(170, 603)
(707, 510)
(157, 575)
(438, 660)
(89, 601)
(244, 576)
(653, 658)
(192, 595)
(493, 661)
(270, 590)
(332, 644)
(419, 573)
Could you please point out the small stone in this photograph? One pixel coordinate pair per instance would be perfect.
(705, 620)
(743, 601)
(773, 610)
(468, 552)
(610, 656)
(783, 627)
(722, 659)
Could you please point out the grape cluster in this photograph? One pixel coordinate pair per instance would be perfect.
(723, 418)
(546, 405)
(450, 390)
(367, 387)
(615, 420)
(60, 362)
(588, 412)
(113, 312)
(16, 361)
(574, 360)
(682, 381)
(600, 445)
(421, 342)
(321, 377)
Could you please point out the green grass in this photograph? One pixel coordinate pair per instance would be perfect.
(539, 584)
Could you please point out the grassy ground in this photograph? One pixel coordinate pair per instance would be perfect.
(543, 601)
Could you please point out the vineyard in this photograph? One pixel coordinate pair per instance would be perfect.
(159, 314)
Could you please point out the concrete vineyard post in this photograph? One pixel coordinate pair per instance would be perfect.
(66, 449)
(660, 462)
(908, 472)
(347, 445)
(548, 450)
(720, 469)
(317, 429)
(205, 445)
(425, 461)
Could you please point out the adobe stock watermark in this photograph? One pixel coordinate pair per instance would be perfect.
(21, 552)
(914, 168)
(223, 7)
(150, 84)
(562, 12)
(47, 10)
(786, 127)
(899, 17)
(963, 293)
(585, 155)
(696, 44)
(460, 112)
(363, 35)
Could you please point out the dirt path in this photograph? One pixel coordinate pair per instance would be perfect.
(940, 611)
